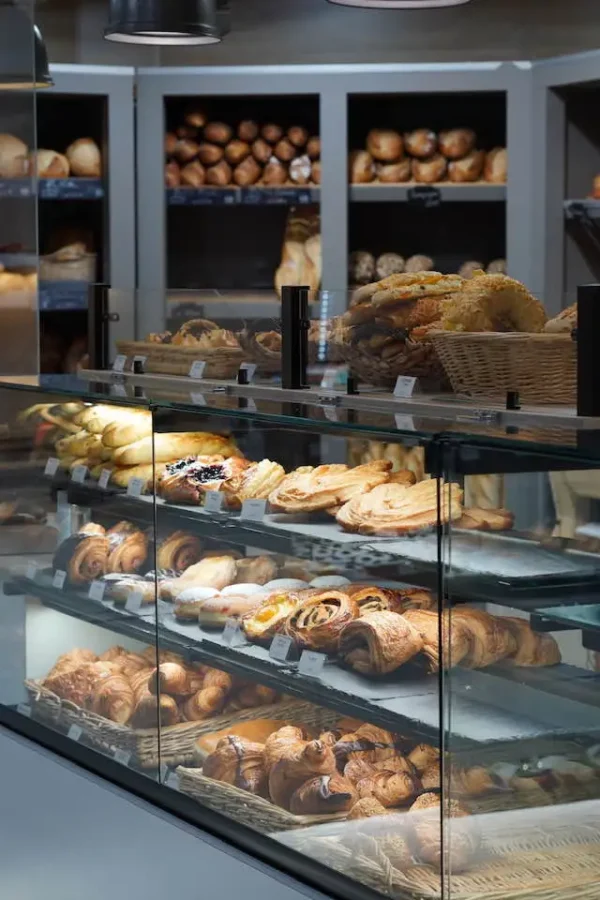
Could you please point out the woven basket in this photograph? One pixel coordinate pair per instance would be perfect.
(381, 366)
(166, 359)
(81, 269)
(175, 742)
(268, 362)
(541, 367)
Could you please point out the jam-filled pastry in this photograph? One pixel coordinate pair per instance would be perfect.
(394, 509)
(379, 642)
(490, 638)
(456, 640)
(187, 480)
(214, 612)
(83, 556)
(316, 624)
(128, 548)
(323, 794)
(254, 482)
(178, 551)
(533, 649)
(309, 489)
(477, 519)
(268, 619)
(238, 761)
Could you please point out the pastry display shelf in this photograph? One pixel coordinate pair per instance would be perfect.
(231, 195)
(483, 705)
(53, 188)
(587, 208)
(425, 194)
(63, 296)
(584, 617)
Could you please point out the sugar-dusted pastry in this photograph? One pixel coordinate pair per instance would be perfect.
(188, 480)
(127, 548)
(178, 551)
(394, 509)
(239, 762)
(379, 642)
(189, 602)
(456, 639)
(254, 482)
(490, 638)
(215, 611)
(323, 794)
(492, 303)
(533, 648)
(316, 624)
(309, 489)
(83, 556)
(268, 619)
(475, 518)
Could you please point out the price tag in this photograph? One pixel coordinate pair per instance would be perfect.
(197, 368)
(405, 386)
(75, 732)
(24, 709)
(122, 756)
(329, 378)
(119, 363)
(136, 486)
(330, 413)
(198, 399)
(79, 474)
(31, 571)
(213, 501)
(97, 589)
(104, 478)
(59, 579)
(254, 509)
(51, 467)
(311, 663)
(280, 647)
(250, 369)
(134, 602)
(233, 635)
(426, 195)
(119, 390)
(404, 423)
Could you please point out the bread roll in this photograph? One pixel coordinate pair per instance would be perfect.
(186, 133)
(427, 171)
(236, 152)
(13, 157)
(497, 267)
(274, 172)
(456, 142)
(419, 263)
(194, 174)
(195, 117)
(48, 164)
(220, 174)
(300, 170)
(297, 135)
(393, 173)
(389, 264)
(420, 143)
(362, 168)
(172, 175)
(186, 150)
(469, 168)
(261, 151)
(248, 172)
(84, 158)
(170, 143)
(385, 146)
(247, 131)
(284, 150)
(218, 133)
(316, 171)
(496, 166)
(210, 154)
(313, 147)
(271, 133)
(361, 267)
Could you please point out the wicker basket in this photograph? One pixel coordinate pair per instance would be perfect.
(166, 359)
(176, 742)
(268, 361)
(81, 269)
(541, 367)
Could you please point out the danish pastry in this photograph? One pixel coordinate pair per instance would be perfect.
(309, 489)
(374, 599)
(252, 482)
(379, 642)
(178, 551)
(188, 480)
(318, 621)
(266, 621)
(394, 509)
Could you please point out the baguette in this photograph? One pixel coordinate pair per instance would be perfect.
(122, 476)
(174, 446)
(119, 434)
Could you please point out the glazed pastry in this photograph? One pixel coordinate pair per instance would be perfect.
(178, 551)
(393, 509)
(456, 142)
(385, 146)
(239, 762)
(423, 756)
(127, 548)
(84, 557)
(456, 638)
(378, 643)
(170, 678)
(394, 173)
(428, 171)
(172, 446)
(256, 569)
(316, 624)
(486, 519)
(496, 166)
(324, 794)
(308, 489)
(389, 788)
(490, 639)
(369, 745)
(421, 143)
(304, 760)
(469, 168)
(247, 130)
(188, 480)
(214, 612)
(268, 620)
(210, 154)
(374, 599)
(366, 808)
(361, 167)
(533, 649)
(252, 482)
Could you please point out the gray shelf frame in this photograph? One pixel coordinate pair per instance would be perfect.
(333, 84)
(117, 84)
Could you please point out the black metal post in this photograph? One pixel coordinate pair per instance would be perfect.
(98, 319)
(294, 336)
(588, 354)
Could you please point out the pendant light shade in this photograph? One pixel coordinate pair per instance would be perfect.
(399, 4)
(167, 22)
(23, 56)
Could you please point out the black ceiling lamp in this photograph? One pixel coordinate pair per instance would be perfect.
(168, 22)
(23, 56)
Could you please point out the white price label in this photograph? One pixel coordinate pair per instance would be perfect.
(254, 509)
(104, 478)
(213, 501)
(404, 423)
(136, 486)
(329, 378)
(198, 399)
(250, 369)
(24, 709)
(197, 368)
(405, 386)
(280, 647)
(330, 413)
(311, 663)
(79, 474)
(134, 602)
(233, 634)
(97, 589)
(51, 467)
(31, 571)
(119, 363)
(59, 579)
(122, 756)
(119, 390)
(75, 732)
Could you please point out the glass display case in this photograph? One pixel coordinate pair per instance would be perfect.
(357, 641)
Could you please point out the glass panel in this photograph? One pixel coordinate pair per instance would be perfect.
(521, 568)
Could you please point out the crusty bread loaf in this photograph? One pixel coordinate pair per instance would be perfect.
(173, 446)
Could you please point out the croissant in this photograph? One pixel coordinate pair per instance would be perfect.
(72, 660)
(456, 641)
(78, 683)
(533, 649)
(323, 794)
(252, 695)
(490, 639)
(131, 663)
(178, 551)
(417, 598)
(239, 762)
(389, 788)
(282, 744)
(423, 756)
(84, 557)
(357, 769)
(204, 703)
(151, 711)
(379, 642)
(319, 620)
(114, 699)
(169, 678)
(305, 760)
(368, 743)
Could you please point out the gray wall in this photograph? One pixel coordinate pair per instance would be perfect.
(313, 31)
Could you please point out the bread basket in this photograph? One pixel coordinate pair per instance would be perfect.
(262, 346)
(485, 365)
(170, 359)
